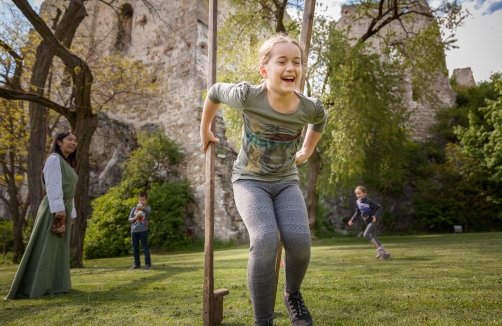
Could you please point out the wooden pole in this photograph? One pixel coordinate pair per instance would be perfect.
(305, 36)
(208, 295)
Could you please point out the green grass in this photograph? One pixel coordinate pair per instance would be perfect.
(431, 280)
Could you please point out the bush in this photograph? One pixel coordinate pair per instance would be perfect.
(169, 208)
(6, 236)
(148, 168)
(109, 231)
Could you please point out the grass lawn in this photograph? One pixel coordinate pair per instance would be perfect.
(431, 280)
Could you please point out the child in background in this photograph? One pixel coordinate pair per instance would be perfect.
(139, 230)
(265, 176)
(370, 212)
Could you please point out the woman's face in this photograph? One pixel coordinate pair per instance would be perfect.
(68, 145)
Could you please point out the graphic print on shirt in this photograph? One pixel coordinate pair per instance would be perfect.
(363, 207)
(269, 155)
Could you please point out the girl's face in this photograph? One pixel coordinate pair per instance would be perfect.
(284, 69)
(68, 145)
(360, 194)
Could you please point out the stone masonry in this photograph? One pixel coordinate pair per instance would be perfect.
(172, 41)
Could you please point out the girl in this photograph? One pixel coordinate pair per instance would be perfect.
(265, 177)
(370, 212)
(45, 266)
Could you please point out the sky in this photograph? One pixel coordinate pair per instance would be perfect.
(479, 40)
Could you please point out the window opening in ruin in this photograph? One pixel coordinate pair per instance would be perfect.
(124, 27)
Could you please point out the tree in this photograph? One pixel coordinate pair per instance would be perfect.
(79, 107)
(481, 142)
(14, 119)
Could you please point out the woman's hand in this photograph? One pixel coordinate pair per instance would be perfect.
(350, 223)
(60, 215)
(374, 219)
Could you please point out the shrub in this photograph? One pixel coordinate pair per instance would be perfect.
(169, 208)
(109, 232)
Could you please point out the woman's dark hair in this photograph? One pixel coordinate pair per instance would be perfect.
(72, 158)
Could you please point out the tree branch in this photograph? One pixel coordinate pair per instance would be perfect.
(20, 95)
(15, 80)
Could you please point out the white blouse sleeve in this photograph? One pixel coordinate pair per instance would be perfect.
(54, 183)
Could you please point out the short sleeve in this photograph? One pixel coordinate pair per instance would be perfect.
(320, 117)
(234, 95)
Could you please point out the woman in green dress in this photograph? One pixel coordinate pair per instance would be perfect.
(45, 266)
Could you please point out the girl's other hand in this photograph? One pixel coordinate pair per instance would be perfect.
(350, 223)
(207, 136)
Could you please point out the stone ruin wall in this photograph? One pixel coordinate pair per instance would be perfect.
(422, 115)
(173, 44)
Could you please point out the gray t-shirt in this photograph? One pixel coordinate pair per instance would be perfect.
(141, 224)
(270, 139)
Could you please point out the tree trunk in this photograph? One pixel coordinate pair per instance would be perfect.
(38, 119)
(84, 131)
(18, 240)
(312, 199)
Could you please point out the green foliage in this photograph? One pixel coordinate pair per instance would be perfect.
(109, 231)
(169, 203)
(152, 161)
(322, 227)
(482, 143)
(366, 132)
(6, 235)
(446, 197)
(468, 101)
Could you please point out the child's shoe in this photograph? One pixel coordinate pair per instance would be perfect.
(380, 253)
(298, 313)
(386, 255)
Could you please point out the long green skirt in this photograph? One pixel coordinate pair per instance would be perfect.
(45, 266)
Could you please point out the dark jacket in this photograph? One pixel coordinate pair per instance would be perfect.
(367, 208)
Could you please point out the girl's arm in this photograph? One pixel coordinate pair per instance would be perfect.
(311, 139)
(376, 209)
(208, 113)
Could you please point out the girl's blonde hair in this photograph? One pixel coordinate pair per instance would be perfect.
(361, 188)
(266, 48)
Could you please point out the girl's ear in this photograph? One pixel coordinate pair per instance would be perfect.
(263, 71)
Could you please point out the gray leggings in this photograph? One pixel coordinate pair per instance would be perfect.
(370, 232)
(266, 208)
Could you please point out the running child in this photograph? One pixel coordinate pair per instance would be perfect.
(370, 212)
